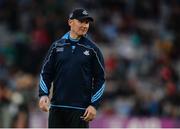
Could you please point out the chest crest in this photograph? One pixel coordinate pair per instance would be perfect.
(86, 52)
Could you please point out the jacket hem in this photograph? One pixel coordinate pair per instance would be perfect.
(66, 106)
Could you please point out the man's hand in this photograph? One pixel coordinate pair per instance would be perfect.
(44, 103)
(89, 114)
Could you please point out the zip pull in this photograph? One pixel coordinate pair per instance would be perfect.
(73, 48)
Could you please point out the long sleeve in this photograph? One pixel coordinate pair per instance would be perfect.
(47, 72)
(98, 78)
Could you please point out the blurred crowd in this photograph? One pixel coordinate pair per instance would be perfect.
(138, 38)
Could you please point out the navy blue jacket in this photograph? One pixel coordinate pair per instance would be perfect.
(76, 71)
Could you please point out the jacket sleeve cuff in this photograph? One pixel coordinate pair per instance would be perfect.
(95, 105)
(40, 95)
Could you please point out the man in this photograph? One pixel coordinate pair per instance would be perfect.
(75, 66)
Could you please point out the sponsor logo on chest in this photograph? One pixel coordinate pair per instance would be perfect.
(60, 49)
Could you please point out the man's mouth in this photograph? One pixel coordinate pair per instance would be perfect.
(83, 30)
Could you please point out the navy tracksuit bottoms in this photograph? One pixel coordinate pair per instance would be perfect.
(66, 118)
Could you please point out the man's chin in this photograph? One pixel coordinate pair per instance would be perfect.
(83, 33)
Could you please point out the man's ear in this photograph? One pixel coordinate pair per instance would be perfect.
(69, 22)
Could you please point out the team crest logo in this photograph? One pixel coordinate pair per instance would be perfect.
(86, 53)
(85, 12)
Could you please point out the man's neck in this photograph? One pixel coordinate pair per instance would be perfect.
(74, 36)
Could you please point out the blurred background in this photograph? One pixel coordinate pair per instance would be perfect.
(140, 43)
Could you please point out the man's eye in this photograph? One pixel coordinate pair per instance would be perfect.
(84, 21)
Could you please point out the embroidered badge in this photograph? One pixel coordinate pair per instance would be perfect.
(85, 12)
(86, 53)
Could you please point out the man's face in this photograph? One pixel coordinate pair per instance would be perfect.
(79, 27)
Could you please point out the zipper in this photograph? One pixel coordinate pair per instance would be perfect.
(73, 48)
